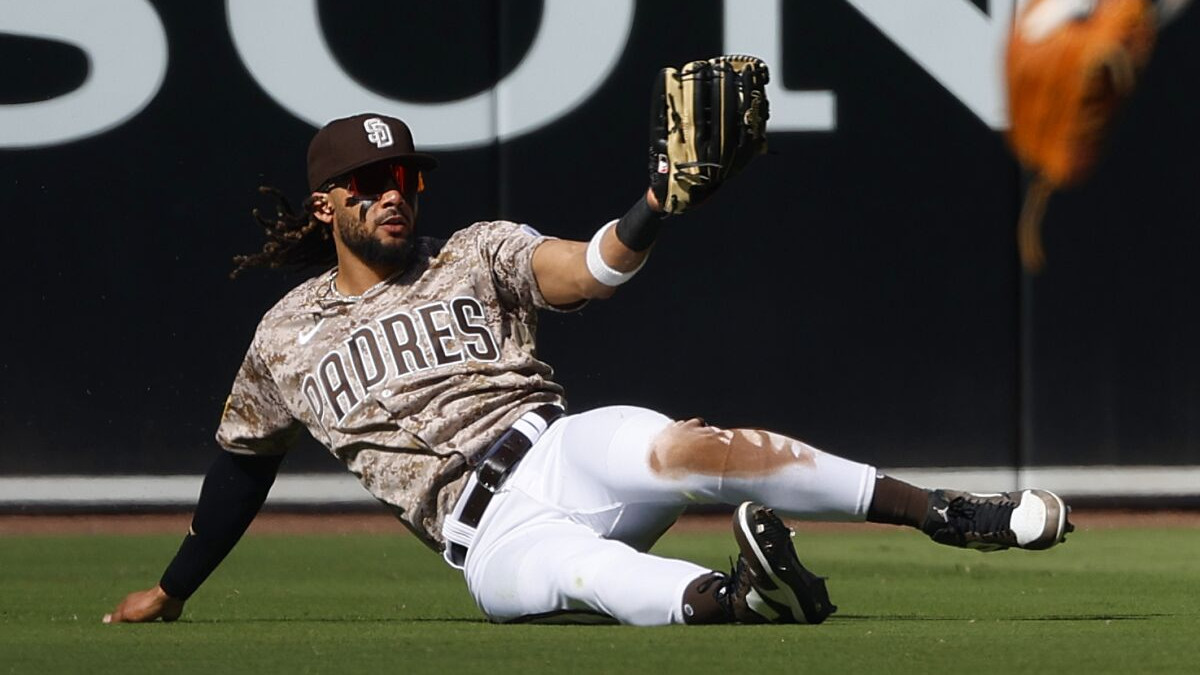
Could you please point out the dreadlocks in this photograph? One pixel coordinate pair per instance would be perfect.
(293, 239)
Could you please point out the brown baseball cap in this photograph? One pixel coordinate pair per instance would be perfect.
(351, 142)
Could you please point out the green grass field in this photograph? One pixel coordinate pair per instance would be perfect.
(1120, 600)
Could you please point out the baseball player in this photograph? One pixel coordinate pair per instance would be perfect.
(412, 359)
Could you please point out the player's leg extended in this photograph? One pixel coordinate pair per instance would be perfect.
(555, 541)
(640, 455)
(632, 455)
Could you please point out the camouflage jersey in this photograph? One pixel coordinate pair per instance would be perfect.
(410, 380)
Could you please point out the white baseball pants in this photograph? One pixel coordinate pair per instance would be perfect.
(564, 539)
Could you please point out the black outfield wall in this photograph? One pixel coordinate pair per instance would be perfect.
(857, 288)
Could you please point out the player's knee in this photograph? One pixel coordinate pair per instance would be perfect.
(692, 447)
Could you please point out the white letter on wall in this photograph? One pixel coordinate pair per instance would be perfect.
(126, 48)
(755, 27)
(576, 48)
(960, 46)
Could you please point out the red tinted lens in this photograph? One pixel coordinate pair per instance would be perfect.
(376, 179)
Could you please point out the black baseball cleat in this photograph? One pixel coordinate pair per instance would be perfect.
(1030, 519)
(768, 584)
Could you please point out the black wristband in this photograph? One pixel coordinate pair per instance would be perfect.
(234, 490)
(638, 228)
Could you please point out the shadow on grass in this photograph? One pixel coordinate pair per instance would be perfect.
(1047, 617)
(331, 619)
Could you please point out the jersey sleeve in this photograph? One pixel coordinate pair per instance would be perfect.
(255, 420)
(508, 250)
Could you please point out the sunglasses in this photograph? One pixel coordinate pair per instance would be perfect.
(373, 180)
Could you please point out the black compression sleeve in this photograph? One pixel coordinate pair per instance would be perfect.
(638, 228)
(234, 490)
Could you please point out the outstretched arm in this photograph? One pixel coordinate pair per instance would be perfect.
(708, 120)
(233, 492)
(570, 271)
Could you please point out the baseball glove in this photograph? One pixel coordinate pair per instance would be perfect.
(1069, 65)
(708, 119)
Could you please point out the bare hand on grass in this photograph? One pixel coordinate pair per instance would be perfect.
(148, 605)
